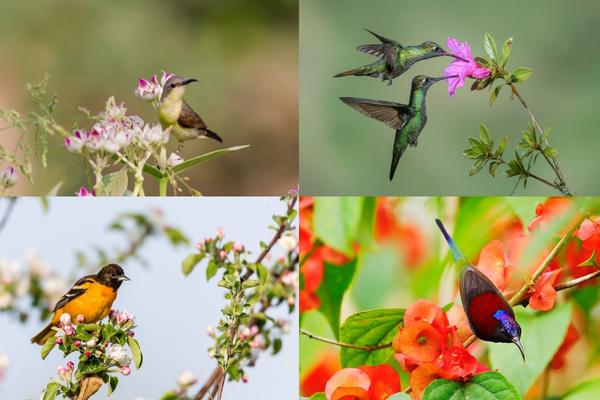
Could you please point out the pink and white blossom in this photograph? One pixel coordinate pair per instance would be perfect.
(463, 66)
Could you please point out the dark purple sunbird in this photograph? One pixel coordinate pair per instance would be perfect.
(490, 316)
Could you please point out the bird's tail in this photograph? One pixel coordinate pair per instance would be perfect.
(360, 71)
(44, 335)
(213, 135)
(400, 144)
(456, 253)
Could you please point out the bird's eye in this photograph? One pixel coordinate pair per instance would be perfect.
(172, 85)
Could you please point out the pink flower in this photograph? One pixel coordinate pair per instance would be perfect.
(147, 90)
(77, 343)
(125, 370)
(73, 143)
(59, 340)
(463, 66)
(200, 244)
(83, 192)
(8, 177)
(238, 247)
(69, 330)
(70, 365)
(220, 233)
(222, 254)
(80, 319)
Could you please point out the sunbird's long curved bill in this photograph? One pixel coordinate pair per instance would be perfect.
(490, 316)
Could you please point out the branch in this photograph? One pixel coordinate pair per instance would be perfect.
(7, 212)
(342, 344)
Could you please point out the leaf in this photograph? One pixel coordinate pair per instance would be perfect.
(138, 357)
(114, 184)
(113, 381)
(369, 328)
(490, 47)
(550, 152)
(250, 283)
(54, 191)
(506, 49)
(318, 396)
(336, 221)
(489, 386)
(492, 169)
(521, 74)
(190, 262)
(481, 84)
(399, 396)
(263, 273)
(584, 391)
(494, 94)
(336, 280)
(542, 335)
(192, 162)
(590, 262)
(484, 134)
(502, 146)
(51, 391)
(47, 347)
(175, 236)
(211, 270)
(477, 166)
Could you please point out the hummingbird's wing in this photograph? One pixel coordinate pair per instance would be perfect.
(383, 39)
(392, 114)
(386, 51)
(189, 118)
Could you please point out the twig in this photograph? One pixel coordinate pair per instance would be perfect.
(9, 209)
(214, 377)
(342, 344)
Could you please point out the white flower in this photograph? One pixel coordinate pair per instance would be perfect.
(174, 160)
(4, 361)
(147, 90)
(111, 146)
(91, 343)
(65, 319)
(289, 278)
(73, 144)
(6, 299)
(53, 288)
(119, 355)
(153, 134)
(186, 379)
(288, 241)
(9, 271)
(37, 267)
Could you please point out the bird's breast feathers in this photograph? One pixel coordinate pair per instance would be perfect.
(94, 304)
(170, 107)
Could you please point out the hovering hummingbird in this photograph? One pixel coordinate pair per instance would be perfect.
(408, 120)
(173, 111)
(490, 316)
(394, 59)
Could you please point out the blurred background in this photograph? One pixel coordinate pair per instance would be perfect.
(344, 152)
(172, 311)
(244, 56)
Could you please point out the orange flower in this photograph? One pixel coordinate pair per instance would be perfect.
(458, 363)
(315, 378)
(421, 377)
(544, 294)
(559, 359)
(589, 233)
(492, 262)
(545, 212)
(423, 310)
(419, 341)
(365, 383)
(384, 381)
(458, 318)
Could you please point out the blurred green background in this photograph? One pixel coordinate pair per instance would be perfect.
(344, 152)
(244, 55)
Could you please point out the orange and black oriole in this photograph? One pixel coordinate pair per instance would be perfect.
(91, 296)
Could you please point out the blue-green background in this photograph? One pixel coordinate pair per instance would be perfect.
(343, 152)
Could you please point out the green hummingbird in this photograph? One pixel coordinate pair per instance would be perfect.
(394, 59)
(408, 120)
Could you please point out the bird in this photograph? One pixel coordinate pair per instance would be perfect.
(490, 316)
(91, 296)
(394, 58)
(175, 112)
(408, 120)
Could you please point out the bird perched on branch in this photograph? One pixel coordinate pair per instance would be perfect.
(174, 112)
(91, 296)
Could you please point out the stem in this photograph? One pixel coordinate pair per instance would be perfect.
(553, 162)
(9, 208)
(342, 344)
(162, 186)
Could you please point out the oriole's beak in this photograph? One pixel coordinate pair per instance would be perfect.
(517, 341)
(188, 81)
(124, 278)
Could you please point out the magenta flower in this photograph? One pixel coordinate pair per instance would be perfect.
(83, 192)
(463, 66)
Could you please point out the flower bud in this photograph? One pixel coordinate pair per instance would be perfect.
(125, 371)
(238, 247)
(88, 354)
(210, 331)
(288, 241)
(186, 379)
(174, 159)
(220, 233)
(131, 333)
(69, 330)
(91, 343)
(200, 244)
(80, 319)
(245, 378)
(59, 341)
(8, 177)
(222, 254)
(83, 192)
(77, 343)
(289, 278)
(70, 365)
(73, 144)
(65, 319)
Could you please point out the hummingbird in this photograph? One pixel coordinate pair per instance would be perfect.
(490, 316)
(175, 112)
(394, 59)
(408, 120)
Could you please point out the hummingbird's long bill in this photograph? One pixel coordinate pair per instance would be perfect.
(443, 77)
(457, 57)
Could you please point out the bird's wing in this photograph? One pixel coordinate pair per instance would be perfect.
(77, 290)
(392, 114)
(385, 52)
(189, 118)
(383, 39)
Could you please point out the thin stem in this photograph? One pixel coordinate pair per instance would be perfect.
(162, 186)
(9, 209)
(543, 180)
(576, 281)
(213, 378)
(342, 344)
(553, 162)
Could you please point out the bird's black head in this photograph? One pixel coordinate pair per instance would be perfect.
(112, 275)
(433, 49)
(174, 82)
(508, 329)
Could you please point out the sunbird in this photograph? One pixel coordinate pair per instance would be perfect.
(408, 120)
(490, 316)
(91, 296)
(173, 111)
(394, 59)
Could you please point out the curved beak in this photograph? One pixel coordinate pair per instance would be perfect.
(188, 81)
(517, 341)
(124, 278)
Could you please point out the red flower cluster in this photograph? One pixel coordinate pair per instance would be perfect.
(365, 383)
(312, 269)
(315, 378)
(429, 348)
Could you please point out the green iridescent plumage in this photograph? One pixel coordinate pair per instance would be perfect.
(394, 59)
(408, 120)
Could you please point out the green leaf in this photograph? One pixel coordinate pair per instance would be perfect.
(492, 169)
(521, 74)
(477, 167)
(54, 191)
(318, 396)
(369, 328)
(490, 47)
(336, 221)
(47, 347)
(502, 146)
(113, 381)
(506, 49)
(175, 236)
(590, 262)
(250, 283)
(584, 391)
(51, 391)
(481, 84)
(494, 94)
(170, 396)
(190, 262)
(484, 134)
(489, 386)
(211, 269)
(263, 273)
(138, 357)
(192, 162)
(550, 152)
(542, 335)
(114, 184)
(336, 280)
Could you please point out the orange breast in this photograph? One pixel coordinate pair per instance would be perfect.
(94, 304)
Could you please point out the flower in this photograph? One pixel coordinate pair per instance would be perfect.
(148, 90)
(83, 192)
(80, 319)
(462, 66)
(559, 359)
(74, 143)
(543, 293)
(419, 341)
(119, 355)
(91, 343)
(4, 362)
(368, 382)
(186, 379)
(220, 233)
(174, 159)
(69, 330)
(238, 247)
(8, 177)
(210, 331)
(589, 233)
(316, 376)
(552, 208)
(288, 241)
(65, 319)
(125, 371)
